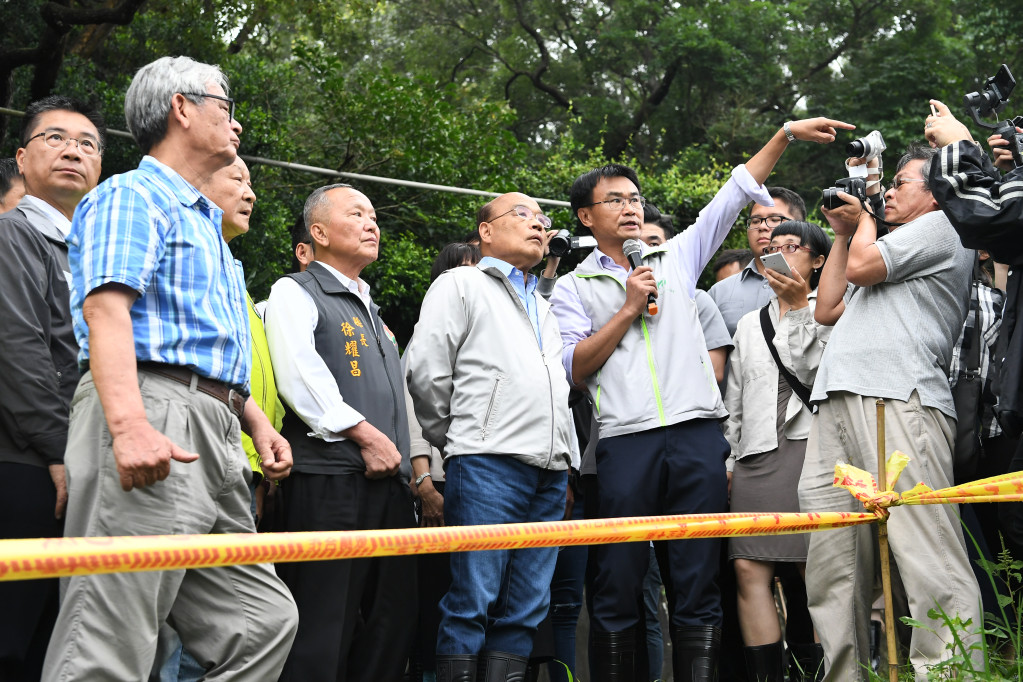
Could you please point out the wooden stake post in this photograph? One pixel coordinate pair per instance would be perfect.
(886, 568)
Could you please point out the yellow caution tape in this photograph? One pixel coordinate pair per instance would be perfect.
(1001, 488)
(60, 557)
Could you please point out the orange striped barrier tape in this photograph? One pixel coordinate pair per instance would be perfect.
(61, 557)
(1001, 488)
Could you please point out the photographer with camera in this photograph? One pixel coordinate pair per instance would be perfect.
(987, 212)
(892, 339)
(986, 209)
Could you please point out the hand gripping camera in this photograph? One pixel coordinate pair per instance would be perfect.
(992, 100)
(866, 148)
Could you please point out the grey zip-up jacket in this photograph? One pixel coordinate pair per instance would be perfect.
(38, 352)
(480, 383)
(660, 373)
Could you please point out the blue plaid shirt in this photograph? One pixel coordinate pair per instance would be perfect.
(150, 230)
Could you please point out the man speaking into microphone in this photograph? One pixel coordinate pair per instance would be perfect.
(661, 450)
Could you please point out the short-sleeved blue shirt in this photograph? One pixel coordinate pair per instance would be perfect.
(152, 231)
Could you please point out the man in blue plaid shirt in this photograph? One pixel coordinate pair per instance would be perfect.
(154, 444)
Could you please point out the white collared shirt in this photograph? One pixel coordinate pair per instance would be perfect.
(56, 217)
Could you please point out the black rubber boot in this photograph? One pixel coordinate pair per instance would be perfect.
(497, 666)
(458, 668)
(807, 662)
(764, 663)
(613, 655)
(694, 653)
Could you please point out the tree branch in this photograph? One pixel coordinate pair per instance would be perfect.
(63, 18)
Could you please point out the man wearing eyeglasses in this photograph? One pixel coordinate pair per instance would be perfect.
(484, 372)
(748, 290)
(892, 339)
(59, 159)
(661, 450)
(154, 440)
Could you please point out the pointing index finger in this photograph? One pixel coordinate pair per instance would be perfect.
(840, 124)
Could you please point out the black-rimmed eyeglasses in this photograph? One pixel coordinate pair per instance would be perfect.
(617, 204)
(765, 222)
(230, 102)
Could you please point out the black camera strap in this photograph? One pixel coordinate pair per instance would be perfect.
(767, 327)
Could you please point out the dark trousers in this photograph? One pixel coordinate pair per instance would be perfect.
(434, 571)
(673, 470)
(567, 600)
(28, 608)
(357, 617)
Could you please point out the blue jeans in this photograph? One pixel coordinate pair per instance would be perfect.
(498, 597)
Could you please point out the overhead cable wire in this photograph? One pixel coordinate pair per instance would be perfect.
(303, 168)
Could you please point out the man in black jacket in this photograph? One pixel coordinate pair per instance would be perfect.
(986, 209)
(59, 158)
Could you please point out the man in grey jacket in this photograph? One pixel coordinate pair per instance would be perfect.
(61, 143)
(484, 371)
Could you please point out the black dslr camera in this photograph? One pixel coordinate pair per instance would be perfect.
(563, 242)
(866, 148)
(854, 186)
(992, 100)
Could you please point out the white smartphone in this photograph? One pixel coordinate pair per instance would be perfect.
(777, 262)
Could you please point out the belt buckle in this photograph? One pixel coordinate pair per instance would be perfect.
(236, 402)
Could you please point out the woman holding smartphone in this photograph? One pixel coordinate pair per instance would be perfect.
(767, 427)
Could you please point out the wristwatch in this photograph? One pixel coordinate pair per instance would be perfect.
(788, 131)
(422, 477)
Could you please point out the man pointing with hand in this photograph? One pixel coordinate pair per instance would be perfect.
(661, 450)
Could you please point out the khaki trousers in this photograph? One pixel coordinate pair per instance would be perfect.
(237, 621)
(926, 541)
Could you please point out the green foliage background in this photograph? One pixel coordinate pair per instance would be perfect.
(515, 95)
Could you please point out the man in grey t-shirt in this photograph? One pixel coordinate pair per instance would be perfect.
(893, 340)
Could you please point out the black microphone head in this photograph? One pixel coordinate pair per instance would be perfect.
(632, 246)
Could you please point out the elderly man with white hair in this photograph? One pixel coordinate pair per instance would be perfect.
(154, 443)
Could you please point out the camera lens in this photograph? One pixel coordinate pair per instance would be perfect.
(831, 200)
(561, 243)
(858, 148)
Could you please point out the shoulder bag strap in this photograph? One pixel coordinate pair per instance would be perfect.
(768, 328)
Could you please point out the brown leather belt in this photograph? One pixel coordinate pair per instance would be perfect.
(234, 400)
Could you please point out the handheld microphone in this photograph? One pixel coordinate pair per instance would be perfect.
(633, 250)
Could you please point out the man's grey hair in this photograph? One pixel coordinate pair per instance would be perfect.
(318, 201)
(148, 101)
(917, 152)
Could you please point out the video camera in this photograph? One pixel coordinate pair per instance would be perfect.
(563, 242)
(866, 148)
(992, 100)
